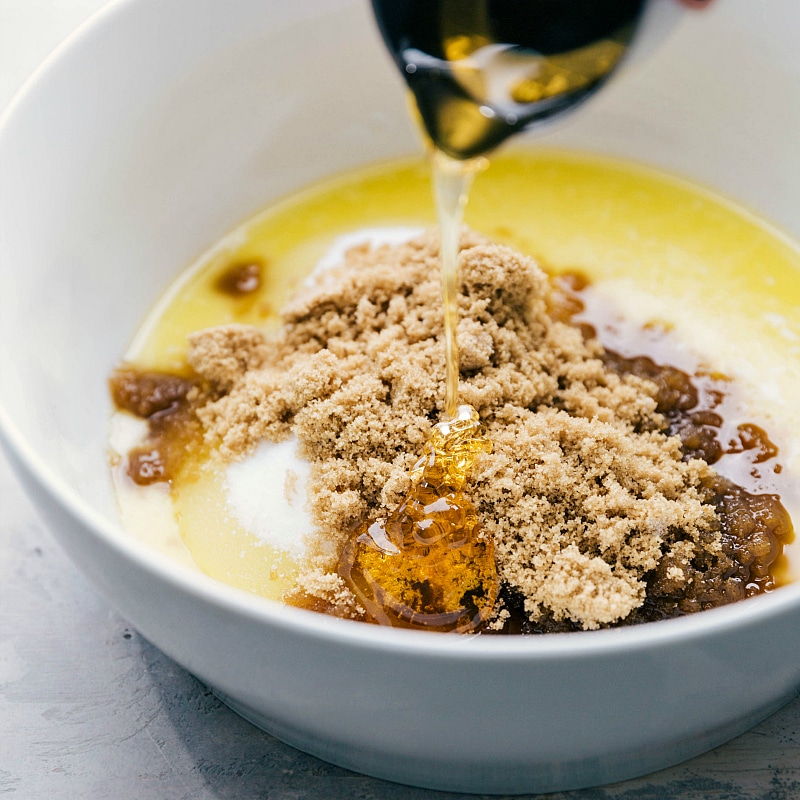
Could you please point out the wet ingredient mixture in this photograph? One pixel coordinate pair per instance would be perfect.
(549, 582)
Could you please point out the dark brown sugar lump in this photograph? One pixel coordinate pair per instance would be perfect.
(598, 515)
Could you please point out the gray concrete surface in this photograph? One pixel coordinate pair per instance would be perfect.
(89, 709)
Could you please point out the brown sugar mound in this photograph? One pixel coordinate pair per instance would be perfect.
(584, 496)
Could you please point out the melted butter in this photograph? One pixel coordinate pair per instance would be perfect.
(613, 220)
(659, 247)
(219, 543)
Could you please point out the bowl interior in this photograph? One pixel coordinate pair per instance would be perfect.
(164, 123)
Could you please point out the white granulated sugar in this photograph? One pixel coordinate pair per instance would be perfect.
(267, 492)
(126, 432)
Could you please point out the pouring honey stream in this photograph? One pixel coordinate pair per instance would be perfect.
(478, 71)
(428, 565)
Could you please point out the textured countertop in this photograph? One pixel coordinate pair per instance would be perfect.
(89, 709)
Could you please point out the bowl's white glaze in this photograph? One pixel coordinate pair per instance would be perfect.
(161, 125)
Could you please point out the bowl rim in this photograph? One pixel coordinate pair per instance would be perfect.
(297, 621)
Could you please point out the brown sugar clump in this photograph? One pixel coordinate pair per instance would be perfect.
(228, 355)
(584, 495)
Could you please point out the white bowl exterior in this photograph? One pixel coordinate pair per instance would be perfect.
(161, 127)
(456, 715)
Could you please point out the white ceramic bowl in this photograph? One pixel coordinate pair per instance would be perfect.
(156, 129)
